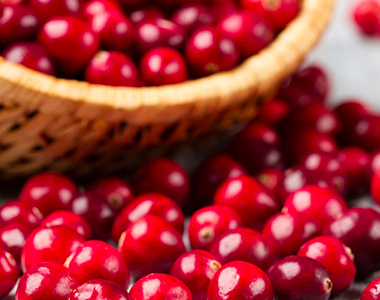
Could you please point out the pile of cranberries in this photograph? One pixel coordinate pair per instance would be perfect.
(135, 42)
(271, 216)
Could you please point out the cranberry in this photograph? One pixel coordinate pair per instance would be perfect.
(251, 32)
(61, 35)
(371, 292)
(13, 237)
(351, 111)
(372, 168)
(240, 280)
(256, 147)
(335, 257)
(48, 280)
(150, 245)
(367, 16)
(320, 204)
(164, 176)
(116, 191)
(243, 244)
(375, 187)
(279, 12)
(47, 9)
(163, 66)
(297, 277)
(356, 228)
(9, 273)
(53, 244)
(95, 7)
(271, 179)
(212, 173)
(49, 192)
(222, 8)
(112, 69)
(143, 14)
(99, 290)
(210, 222)
(287, 232)
(12, 2)
(68, 219)
(208, 51)
(190, 17)
(30, 55)
(159, 33)
(296, 96)
(19, 211)
(96, 211)
(249, 199)
(160, 286)
(98, 260)
(272, 112)
(17, 24)
(196, 268)
(148, 204)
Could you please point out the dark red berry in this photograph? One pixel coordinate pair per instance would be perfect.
(240, 280)
(190, 17)
(48, 9)
(21, 212)
(351, 111)
(160, 286)
(95, 7)
(13, 237)
(150, 245)
(148, 204)
(372, 168)
(367, 16)
(99, 289)
(298, 277)
(48, 280)
(210, 222)
(371, 292)
(335, 257)
(272, 112)
(49, 192)
(9, 273)
(196, 268)
(271, 179)
(146, 13)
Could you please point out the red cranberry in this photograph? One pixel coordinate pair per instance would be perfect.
(162, 66)
(68, 219)
(249, 199)
(320, 204)
(375, 187)
(243, 244)
(335, 257)
(13, 237)
(240, 280)
(211, 174)
(113, 69)
(150, 245)
(287, 232)
(372, 168)
(210, 222)
(208, 51)
(114, 30)
(160, 286)
(149, 204)
(367, 16)
(19, 211)
(256, 148)
(53, 244)
(17, 24)
(47, 9)
(98, 260)
(279, 12)
(196, 268)
(222, 8)
(116, 191)
(143, 14)
(95, 7)
(9, 273)
(48, 280)
(193, 16)
(271, 179)
(12, 2)
(356, 228)
(296, 96)
(163, 176)
(61, 35)
(272, 112)
(30, 55)
(371, 292)
(297, 277)
(251, 32)
(49, 192)
(96, 212)
(99, 290)
(351, 111)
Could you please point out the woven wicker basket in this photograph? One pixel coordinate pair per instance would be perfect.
(69, 126)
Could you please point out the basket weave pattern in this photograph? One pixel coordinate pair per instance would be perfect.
(69, 126)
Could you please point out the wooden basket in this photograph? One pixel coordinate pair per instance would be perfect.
(69, 126)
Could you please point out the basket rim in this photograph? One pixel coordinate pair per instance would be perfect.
(277, 60)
